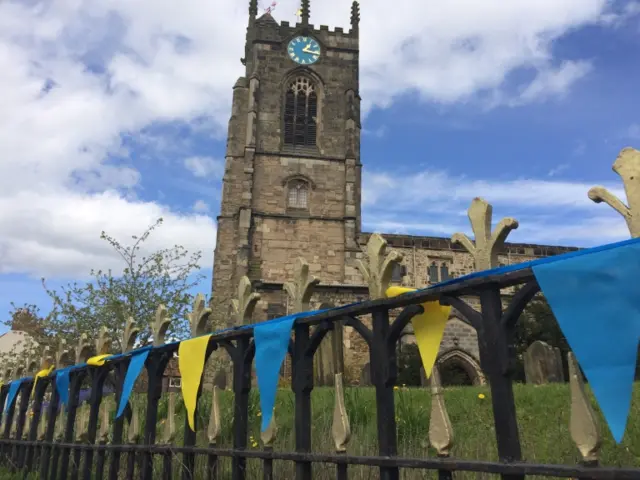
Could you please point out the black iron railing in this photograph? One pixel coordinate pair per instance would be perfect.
(92, 458)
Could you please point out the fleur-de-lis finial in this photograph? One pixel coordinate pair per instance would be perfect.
(243, 306)
(199, 316)
(160, 325)
(83, 349)
(583, 424)
(377, 273)
(301, 289)
(627, 165)
(487, 244)
(103, 342)
(48, 359)
(129, 335)
(214, 428)
(440, 428)
(62, 355)
(341, 427)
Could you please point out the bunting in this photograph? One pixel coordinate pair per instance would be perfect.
(595, 298)
(136, 364)
(428, 328)
(13, 391)
(99, 360)
(191, 359)
(62, 385)
(42, 373)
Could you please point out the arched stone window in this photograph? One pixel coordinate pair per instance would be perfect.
(298, 195)
(444, 272)
(433, 273)
(300, 113)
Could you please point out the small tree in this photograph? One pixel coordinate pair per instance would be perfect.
(108, 300)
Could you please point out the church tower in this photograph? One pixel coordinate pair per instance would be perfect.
(291, 186)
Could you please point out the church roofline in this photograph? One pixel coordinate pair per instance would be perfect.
(444, 243)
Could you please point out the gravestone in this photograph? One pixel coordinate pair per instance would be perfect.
(365, 375)
(542, 364)
(220, 380)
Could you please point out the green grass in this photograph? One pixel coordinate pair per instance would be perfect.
(543, 418)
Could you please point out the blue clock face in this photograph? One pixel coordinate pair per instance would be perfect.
(304, 50)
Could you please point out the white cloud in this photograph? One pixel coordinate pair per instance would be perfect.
(558, 169)
(201, 206)
(435, 203)
(204, 166)
(553, 81)
(78, 76)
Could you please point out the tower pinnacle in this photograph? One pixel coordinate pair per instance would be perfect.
(305, 12)
(253, 8)
(355, 16)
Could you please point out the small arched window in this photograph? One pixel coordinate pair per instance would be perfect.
(433, 273)
(298, 195)
(300, 113)
(398, 272)
(444, 272)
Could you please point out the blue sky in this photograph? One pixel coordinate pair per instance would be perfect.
(118, 116)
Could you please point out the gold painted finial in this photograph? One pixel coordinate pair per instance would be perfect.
(169, 433)
(627, 165)
(440, 428)
(268, 437)
(83, 349)
(214, 428)
(199, 316)
(129, 335)
(103, 342)
(583, 424)
(160, 325)
(301, 289)
(377, 273)
(487, 244)
(341, 428)
(243, 306)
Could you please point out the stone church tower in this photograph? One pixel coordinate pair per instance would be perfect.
(291, 186)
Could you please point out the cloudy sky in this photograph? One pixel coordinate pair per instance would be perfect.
(114, 113)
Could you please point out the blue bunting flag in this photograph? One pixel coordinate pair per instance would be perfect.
(595, 297)
(136, 364)
(13, 391)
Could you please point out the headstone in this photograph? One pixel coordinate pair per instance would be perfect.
(559, 366)
(365, 375)
(220, 379)
(542, 364)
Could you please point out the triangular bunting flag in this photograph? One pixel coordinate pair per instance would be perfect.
(13, 391)
(191, 357)
(62, 385)
(42, 373)
(98, 360)
(595, 298)
(272, 342)
(136, 364)
(428, 328)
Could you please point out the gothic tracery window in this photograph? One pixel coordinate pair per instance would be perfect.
(433, 273)
(298, 195)
(300, 113)
(444, 272)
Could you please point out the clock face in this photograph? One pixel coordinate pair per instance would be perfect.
(304, 50)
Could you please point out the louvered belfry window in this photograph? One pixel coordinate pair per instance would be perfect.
(300, 113)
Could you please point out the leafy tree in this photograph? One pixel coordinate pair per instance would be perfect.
(108, 300)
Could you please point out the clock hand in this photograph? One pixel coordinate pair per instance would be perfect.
(306, 50)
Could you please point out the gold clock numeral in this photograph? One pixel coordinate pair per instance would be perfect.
(296, 58)
(315, 58)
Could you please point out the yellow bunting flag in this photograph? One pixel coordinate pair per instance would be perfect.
(98, 360)
(428, 328)
(191, 355)
(42, 373)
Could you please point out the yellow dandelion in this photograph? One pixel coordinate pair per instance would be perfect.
(254, 444)
(396, 387)
(481, 396)
(259, 414)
